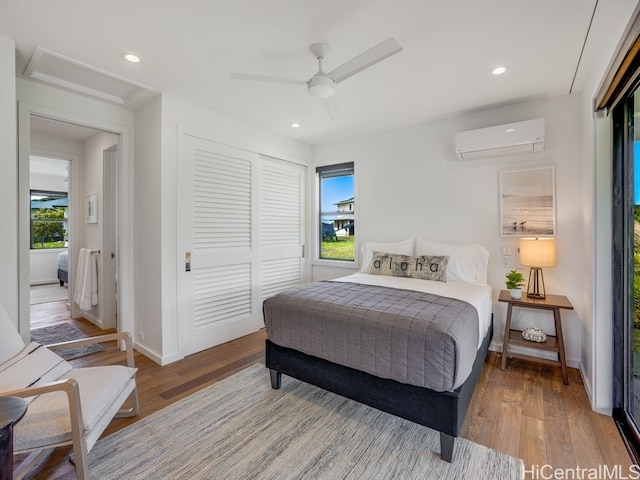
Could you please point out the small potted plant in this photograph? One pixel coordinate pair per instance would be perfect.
(515, 280)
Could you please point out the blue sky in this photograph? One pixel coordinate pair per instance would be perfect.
(335, 189)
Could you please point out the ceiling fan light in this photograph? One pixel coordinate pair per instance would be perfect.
(321, 86)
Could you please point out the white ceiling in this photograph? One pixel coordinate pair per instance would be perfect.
(189, 47)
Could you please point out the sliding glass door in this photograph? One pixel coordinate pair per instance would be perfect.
(626, 266)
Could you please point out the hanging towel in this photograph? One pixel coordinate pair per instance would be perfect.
(94, 278)
(86, 290)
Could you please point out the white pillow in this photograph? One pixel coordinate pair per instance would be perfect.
(11, 342)
(483, 265)
(467, 262)
(399, 248)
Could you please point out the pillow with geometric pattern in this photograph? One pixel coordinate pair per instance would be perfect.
(425, 267)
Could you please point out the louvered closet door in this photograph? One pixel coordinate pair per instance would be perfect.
(281, 219)
(216, 299)
(240, 217)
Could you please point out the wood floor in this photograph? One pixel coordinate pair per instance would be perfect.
(525, 411)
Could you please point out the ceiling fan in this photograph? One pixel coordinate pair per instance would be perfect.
(323, 85)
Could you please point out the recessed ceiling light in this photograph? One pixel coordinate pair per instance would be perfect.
(498, 70)
(131, 57)
(295, 125)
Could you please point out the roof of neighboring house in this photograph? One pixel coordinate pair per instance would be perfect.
(348, 200)
(338, 216)
(55, 203)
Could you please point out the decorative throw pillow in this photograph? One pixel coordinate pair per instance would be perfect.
(425, 267)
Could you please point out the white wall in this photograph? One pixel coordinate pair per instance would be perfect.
(8, 183)
(148, 249)
(409, 184)
(158, 157)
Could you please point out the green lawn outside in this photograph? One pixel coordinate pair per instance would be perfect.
(341, 249)
(38, 245)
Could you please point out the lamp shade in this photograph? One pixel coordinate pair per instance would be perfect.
(538, 252)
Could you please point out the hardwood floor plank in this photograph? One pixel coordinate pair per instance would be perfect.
(510, 417)
(560, 452)
(524, 411)
(532, 442)
(585, 443)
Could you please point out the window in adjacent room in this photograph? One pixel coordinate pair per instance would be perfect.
(49, 219)
(337, 212)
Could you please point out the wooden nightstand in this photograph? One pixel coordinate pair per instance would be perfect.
(553, 343)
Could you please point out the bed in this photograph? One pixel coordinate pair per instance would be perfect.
(63, 267)
(412, 347)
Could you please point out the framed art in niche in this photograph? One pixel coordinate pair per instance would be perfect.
(92, 208)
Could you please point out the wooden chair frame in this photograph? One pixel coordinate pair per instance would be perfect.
(71, 388)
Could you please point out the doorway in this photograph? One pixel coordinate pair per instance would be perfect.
(91, 156)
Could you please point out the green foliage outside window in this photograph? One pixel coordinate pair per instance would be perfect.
(48, 229)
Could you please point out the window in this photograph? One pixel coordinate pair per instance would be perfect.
(337, 212)
(49, 219)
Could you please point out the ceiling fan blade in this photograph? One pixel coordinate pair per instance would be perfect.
(365, 60)
(332, 106)
(265, 78)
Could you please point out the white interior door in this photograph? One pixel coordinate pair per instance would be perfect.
(109, 274)
(240, 233)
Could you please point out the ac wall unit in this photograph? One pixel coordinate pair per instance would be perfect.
(500, 140)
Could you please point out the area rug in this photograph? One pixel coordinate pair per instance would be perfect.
(63, 332)
(240, 428)
(50, 292)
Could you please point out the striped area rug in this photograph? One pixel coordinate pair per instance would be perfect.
(63, 332)
(239, 428)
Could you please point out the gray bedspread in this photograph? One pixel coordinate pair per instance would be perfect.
(412, 337)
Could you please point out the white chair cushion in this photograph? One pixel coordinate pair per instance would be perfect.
(11, 342)
(47, 419)
(34, 365)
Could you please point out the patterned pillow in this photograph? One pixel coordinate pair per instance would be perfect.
(425, 267)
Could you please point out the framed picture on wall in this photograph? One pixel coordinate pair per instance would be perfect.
(92, 208)
(528, 202)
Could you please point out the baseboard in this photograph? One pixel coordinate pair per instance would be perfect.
(154, 356)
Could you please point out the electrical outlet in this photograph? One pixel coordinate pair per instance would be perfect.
(141, 335)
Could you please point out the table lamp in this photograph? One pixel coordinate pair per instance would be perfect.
(537, 253)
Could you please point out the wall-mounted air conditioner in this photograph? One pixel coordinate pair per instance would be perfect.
(509, 139)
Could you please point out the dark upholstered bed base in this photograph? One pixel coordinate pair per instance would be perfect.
(442, 411)
(63, 276)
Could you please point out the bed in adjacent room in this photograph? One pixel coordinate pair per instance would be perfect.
(408, 334)
(63, 267)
